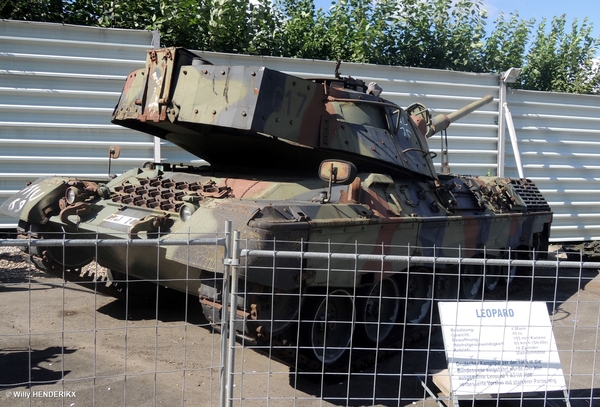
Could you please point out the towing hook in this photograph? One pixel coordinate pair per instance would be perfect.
(150, 223)
(80, 209)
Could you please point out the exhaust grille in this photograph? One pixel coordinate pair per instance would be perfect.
(531, 195)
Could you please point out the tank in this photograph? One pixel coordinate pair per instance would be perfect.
(294, 164)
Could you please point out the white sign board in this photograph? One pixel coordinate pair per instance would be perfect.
(500, 347)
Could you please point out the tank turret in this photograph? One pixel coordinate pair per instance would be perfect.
(238, 117)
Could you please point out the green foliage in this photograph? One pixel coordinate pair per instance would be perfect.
(50, 11)
(442, 34)
(455, 39)
(562, 61)
(302, 30)
(348, 30)
(264, 26)
(229, 26)
(505, 48)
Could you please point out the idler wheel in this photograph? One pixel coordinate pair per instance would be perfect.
(378, 307)
(326, 328)
(61, 257)
(70, 258)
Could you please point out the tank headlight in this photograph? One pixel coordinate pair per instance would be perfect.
(186, 211)
(71, 195)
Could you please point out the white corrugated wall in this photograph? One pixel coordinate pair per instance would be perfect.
(559, 142)
(58, 87)
(59, 84)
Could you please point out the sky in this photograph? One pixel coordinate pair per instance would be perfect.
(540, 9)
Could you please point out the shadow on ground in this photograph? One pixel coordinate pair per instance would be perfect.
(21, 367)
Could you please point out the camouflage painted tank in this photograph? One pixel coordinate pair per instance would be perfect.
(302, 162)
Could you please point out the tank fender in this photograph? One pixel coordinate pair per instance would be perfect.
(36, 201)
(210, 218)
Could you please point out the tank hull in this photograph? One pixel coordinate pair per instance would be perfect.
(286, 213)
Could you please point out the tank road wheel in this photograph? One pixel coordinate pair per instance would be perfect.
(446, 285)
(510, 276)
(471, 281)
(326, 328)
(377, 308)
(492, 277)
(523, 253)
(520, 277)
(419, 294)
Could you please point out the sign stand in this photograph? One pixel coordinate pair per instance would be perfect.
(498, 347)
(441, 380)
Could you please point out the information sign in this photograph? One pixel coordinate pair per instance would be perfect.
(500, 347)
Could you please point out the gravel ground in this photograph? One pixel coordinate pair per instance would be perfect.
(15, 266)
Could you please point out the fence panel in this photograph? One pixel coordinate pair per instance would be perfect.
(347, 324)
(382, 343)
(133, 343)
(58, 87)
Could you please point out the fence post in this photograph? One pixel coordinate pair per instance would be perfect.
(235, 261)
(224, 314)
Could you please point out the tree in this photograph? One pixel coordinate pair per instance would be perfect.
(348, 30)
(229, 26)
(303, 31)
(50, 11)
(562, 62)
(506, 45)
(265, 28)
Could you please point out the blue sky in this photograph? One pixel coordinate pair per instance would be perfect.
(540, 9)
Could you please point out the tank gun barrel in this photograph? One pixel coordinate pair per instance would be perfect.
(442, 121)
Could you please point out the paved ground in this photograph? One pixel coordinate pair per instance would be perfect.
(107, 352)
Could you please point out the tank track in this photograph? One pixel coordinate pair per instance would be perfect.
(365, 358)
(86, 276)
(286, 352)
(361, 358)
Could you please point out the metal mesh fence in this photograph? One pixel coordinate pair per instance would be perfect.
(93, 336)
(317, 324)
